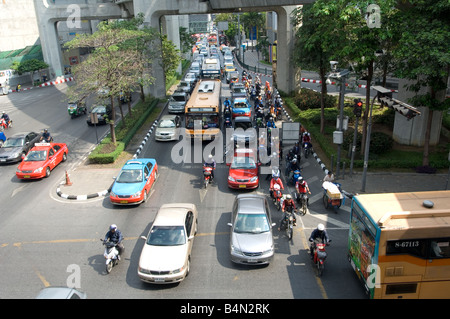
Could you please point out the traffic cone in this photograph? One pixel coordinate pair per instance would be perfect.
(68, 182)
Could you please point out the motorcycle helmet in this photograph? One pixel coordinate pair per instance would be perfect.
(320, 227)
(300, 179)
(288, 196)
(275, 172)
(113, 227)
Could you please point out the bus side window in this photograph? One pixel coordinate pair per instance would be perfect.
(440, 248)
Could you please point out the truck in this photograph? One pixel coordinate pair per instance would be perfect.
(211, 68)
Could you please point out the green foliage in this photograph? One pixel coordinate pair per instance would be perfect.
(32, 65)
(309, 99)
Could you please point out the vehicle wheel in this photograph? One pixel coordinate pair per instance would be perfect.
(64, 157)
(145, 196)
(206, 183)
(289, 232)
(109, 267)
(196, 227)
(319, 269)
(47, 172)
(304, 209)
(325, 201)
(188, 268)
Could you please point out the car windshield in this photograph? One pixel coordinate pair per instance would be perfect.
(36, 156)
(243, 162)
(238, 90)
(166, 124)
(14, 142)
(251, 223)
(99, 110)
(240, 105)
(130, 176)
(167, 236)
(178, 98)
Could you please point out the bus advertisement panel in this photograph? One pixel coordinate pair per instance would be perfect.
(203, 110)
(399, 244)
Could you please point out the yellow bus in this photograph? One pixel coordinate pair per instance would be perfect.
(202, 110)
(399, 244)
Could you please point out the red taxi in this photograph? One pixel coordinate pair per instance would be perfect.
(244, 170)
(41, 160)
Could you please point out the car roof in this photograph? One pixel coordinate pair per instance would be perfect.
(43, 146)
(56, 293)
(173, 214)
(169, 117)
(251, 204)
(21, 134)
(137, 163)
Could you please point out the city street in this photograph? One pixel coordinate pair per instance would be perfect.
(50, 241)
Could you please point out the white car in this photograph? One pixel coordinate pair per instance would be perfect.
(168, 128)
(166, 255)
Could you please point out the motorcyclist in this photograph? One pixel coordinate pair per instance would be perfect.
(5, 117)
(227, 103)
(318, 233)
(275, 180)
(114, 235)
(302, 188)
(292, 167)
(288, 205)
(271, 123)
(306, 139)
(210, 162)
(46, 136)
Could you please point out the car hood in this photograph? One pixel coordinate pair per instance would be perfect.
(252, 242)
(9, 151)
(27, 166)
(162, 258)
(127, 188)
(243, 173)
(162, 130)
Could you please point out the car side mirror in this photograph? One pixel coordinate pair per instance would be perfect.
(143, 237)
(230, 224)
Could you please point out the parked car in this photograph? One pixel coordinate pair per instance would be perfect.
(103, 112)
(177, 101)
(166, 255)
(243, 172)
(251, 239)
(41, 160)
(168, 128)
(134, 182)
(17, 145)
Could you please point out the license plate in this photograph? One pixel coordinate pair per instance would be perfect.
(242, 186)
(159, 280)
(26, 176)
(2, 160)
(124, 202)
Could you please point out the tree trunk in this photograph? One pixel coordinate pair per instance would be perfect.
(426, 145)
(112, 121)
(366, 110)
(323, 78)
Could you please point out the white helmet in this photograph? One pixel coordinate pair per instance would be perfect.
(321, 227)
(113, 227)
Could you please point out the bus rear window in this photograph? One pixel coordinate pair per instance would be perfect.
(401, 289)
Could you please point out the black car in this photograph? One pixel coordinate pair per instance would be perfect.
(17, 145)
(103, 112)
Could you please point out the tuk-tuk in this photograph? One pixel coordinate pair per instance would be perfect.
(76, 108)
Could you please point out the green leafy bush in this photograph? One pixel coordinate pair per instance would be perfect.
(309, 99)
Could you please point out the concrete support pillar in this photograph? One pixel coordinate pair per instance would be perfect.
(171, 27)
(287, 74)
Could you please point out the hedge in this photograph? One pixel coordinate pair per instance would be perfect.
(124, 133)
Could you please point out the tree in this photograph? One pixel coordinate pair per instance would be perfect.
(31, 66)
(112, 65)
(252, 20)
(170, 56)
(424, 54)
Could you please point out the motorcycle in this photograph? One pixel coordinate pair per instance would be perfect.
(228, 123)
(111, 255)
(207, 175)
(303, 200)
(287, 223)
(4, 125)
(76, 109)
(319, 255)
(306, 148)
(276, 195)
